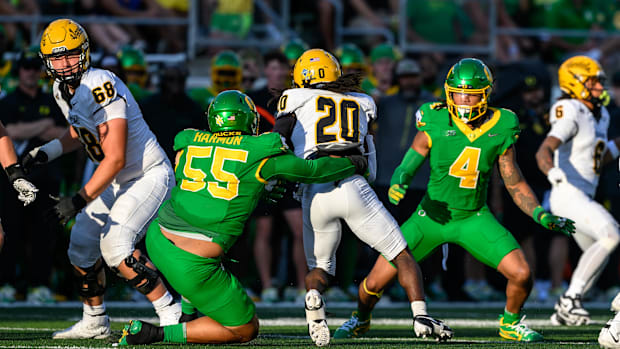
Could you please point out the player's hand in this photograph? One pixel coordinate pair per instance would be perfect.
(552, 222)
(65, 208)
(397, 192)
(27, 192)
(274, 191)
(425, 325)
(34, 157)
(360, 162)
(556, 176)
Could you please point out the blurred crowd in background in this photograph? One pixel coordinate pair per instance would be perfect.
(175, 93)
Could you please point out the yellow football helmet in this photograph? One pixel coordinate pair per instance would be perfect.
(573, 74)
(65, 37)
(315, 66)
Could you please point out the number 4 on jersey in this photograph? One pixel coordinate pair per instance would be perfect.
(465, 167)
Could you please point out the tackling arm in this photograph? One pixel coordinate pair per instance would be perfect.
(294, 169)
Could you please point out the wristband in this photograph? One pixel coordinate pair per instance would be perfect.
(538, 213)
(78, 201)
(15, 171)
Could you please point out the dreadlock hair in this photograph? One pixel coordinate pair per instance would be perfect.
(350, 82)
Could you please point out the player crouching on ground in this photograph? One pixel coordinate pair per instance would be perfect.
(220, 176)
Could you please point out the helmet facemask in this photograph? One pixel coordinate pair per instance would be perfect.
(467, 113)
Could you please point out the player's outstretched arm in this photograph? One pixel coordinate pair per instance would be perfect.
(326, 169)
(524, 197)
(403, 174)
(51, 150)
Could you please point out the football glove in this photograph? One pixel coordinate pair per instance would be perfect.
(556, 176)
(552, 222)
(27, 192)
(65, 208)
(360, 162)
(424, 325)
(397, 192)
(43, 154)
(274, 191)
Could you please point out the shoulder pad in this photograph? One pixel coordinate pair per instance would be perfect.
(185, 137)
(98, 87)
(293, 98)
(565, 109)
(437, 105)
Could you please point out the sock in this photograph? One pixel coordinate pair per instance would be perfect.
(175, 333)
(163, 302)
(511, 318)
(575, 288)
(93, 310)
(588, 269)
(362, 315)
(418, 308)
(187, 307)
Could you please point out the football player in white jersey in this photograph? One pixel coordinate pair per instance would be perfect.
(117, 203)
(327, 115)
(571, 156)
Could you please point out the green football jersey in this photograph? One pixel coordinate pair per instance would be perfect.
(462, 159)
(218, 183)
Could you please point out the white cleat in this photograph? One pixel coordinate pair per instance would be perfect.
(170, 315)
(569, 312)
(615, 304)
(610, 335)
(424, 325)
(315, 317)
(97, 327)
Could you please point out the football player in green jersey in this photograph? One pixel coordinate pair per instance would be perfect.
(220, 176)
(464, 139)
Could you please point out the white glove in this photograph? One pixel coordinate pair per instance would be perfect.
(27, 191)
(424, 325)
(556, 176)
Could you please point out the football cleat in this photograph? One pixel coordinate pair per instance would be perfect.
(316, 318)
(97, 327)
(570, 312)
(40, 295)
(424, 325)
(609, 337)
(170, 315)
(352, 328)
(140, 332)
(615, 304)
(269, 295)
(518, 331)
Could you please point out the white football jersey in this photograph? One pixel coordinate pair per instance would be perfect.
(583, 139)
(100, 97)
(326, 118)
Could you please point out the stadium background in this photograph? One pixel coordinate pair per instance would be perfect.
(522, 41)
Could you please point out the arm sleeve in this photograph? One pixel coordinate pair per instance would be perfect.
(294, 169)
(403, 174)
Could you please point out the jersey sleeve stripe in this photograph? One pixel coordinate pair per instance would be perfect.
(260, 167)
(430, 141)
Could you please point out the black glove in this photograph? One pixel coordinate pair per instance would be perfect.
(360, 162)
(65, 208)
(35, 157)
(274, 191)
(27, 191)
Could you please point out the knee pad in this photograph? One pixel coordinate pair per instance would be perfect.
(610, 237)
(92, 284)
(145, 274)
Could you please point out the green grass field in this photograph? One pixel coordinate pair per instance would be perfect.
(283, 326)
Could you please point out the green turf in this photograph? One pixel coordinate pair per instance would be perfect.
(32, 328)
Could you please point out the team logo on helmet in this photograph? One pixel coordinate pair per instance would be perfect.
(219, 120)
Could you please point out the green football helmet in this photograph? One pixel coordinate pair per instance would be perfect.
(133, 64)
(233, 110)
(469, 76)
(351, 57)
(294, 49)
(226, 71)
